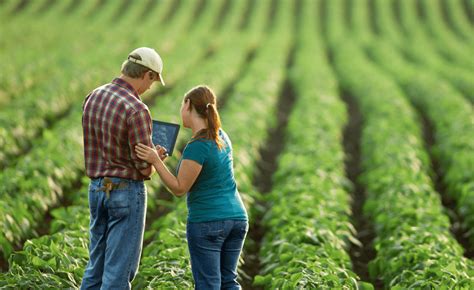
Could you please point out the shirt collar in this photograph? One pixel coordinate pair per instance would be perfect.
(124, 84)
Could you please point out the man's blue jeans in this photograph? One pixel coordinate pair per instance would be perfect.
(116, 234)
(215, 248)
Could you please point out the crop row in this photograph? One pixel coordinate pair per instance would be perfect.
(414, 245)
(24, 68)
(445, 108)
(453, 125)
(457, 19)
(418, 40)
(446, 42)
(449, 113)
(418, 47)
(307, 227)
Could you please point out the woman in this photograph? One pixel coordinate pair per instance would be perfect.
(217, 220)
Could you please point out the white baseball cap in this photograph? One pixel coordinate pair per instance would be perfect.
(148, 58)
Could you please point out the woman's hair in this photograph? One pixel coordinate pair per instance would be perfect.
(203, 100)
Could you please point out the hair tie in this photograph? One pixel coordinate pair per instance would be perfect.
(208, 104)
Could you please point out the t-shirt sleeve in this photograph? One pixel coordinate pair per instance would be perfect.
(139, 131)
(226, 139)
(197, 151)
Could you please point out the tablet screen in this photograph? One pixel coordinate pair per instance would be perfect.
(165, 134)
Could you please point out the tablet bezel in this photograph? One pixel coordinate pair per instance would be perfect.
(168, 124)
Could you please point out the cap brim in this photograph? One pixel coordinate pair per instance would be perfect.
(161, 79)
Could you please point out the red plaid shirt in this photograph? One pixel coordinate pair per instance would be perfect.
(114, 120)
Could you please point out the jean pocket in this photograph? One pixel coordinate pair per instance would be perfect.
(243, 228)
(93, 202)
(212, 230)
(118, 204)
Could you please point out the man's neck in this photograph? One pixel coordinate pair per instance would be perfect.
(133, 82)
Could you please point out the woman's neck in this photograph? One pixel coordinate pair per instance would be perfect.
(198, 125)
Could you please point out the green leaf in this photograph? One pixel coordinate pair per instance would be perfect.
(365, 285)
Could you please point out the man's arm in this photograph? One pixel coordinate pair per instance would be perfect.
(139, 131)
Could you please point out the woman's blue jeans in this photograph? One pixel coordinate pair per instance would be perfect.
(116, 234)
(215, 248)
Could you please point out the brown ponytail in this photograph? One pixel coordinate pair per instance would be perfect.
(203, 100)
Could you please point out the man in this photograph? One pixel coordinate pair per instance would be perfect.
(114, 120)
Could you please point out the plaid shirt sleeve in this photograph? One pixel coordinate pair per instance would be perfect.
(139, 131)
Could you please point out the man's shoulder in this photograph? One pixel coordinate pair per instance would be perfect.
(134, 105)
(102, 89)
(112, 89)
(122, 96)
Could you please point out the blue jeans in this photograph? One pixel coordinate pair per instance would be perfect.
(116, 234)
(215, 248)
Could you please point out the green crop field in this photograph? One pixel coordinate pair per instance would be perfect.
(352, 124)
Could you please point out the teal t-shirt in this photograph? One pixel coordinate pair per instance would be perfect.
(214, 195)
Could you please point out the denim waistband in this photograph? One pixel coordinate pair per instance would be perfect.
(118, 179)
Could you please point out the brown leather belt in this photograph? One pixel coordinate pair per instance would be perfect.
(108, 186)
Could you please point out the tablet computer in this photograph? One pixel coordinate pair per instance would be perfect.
(165, 135)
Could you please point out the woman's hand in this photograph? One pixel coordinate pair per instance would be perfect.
(148, 154)
(161, 152)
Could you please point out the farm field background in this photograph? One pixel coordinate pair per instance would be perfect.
(352, 124)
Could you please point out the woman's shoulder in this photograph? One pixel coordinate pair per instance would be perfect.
(204, 142)
(196, 149)
(223, 135)
(199, 142)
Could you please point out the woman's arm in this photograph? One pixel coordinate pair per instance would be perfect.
(187, 175)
